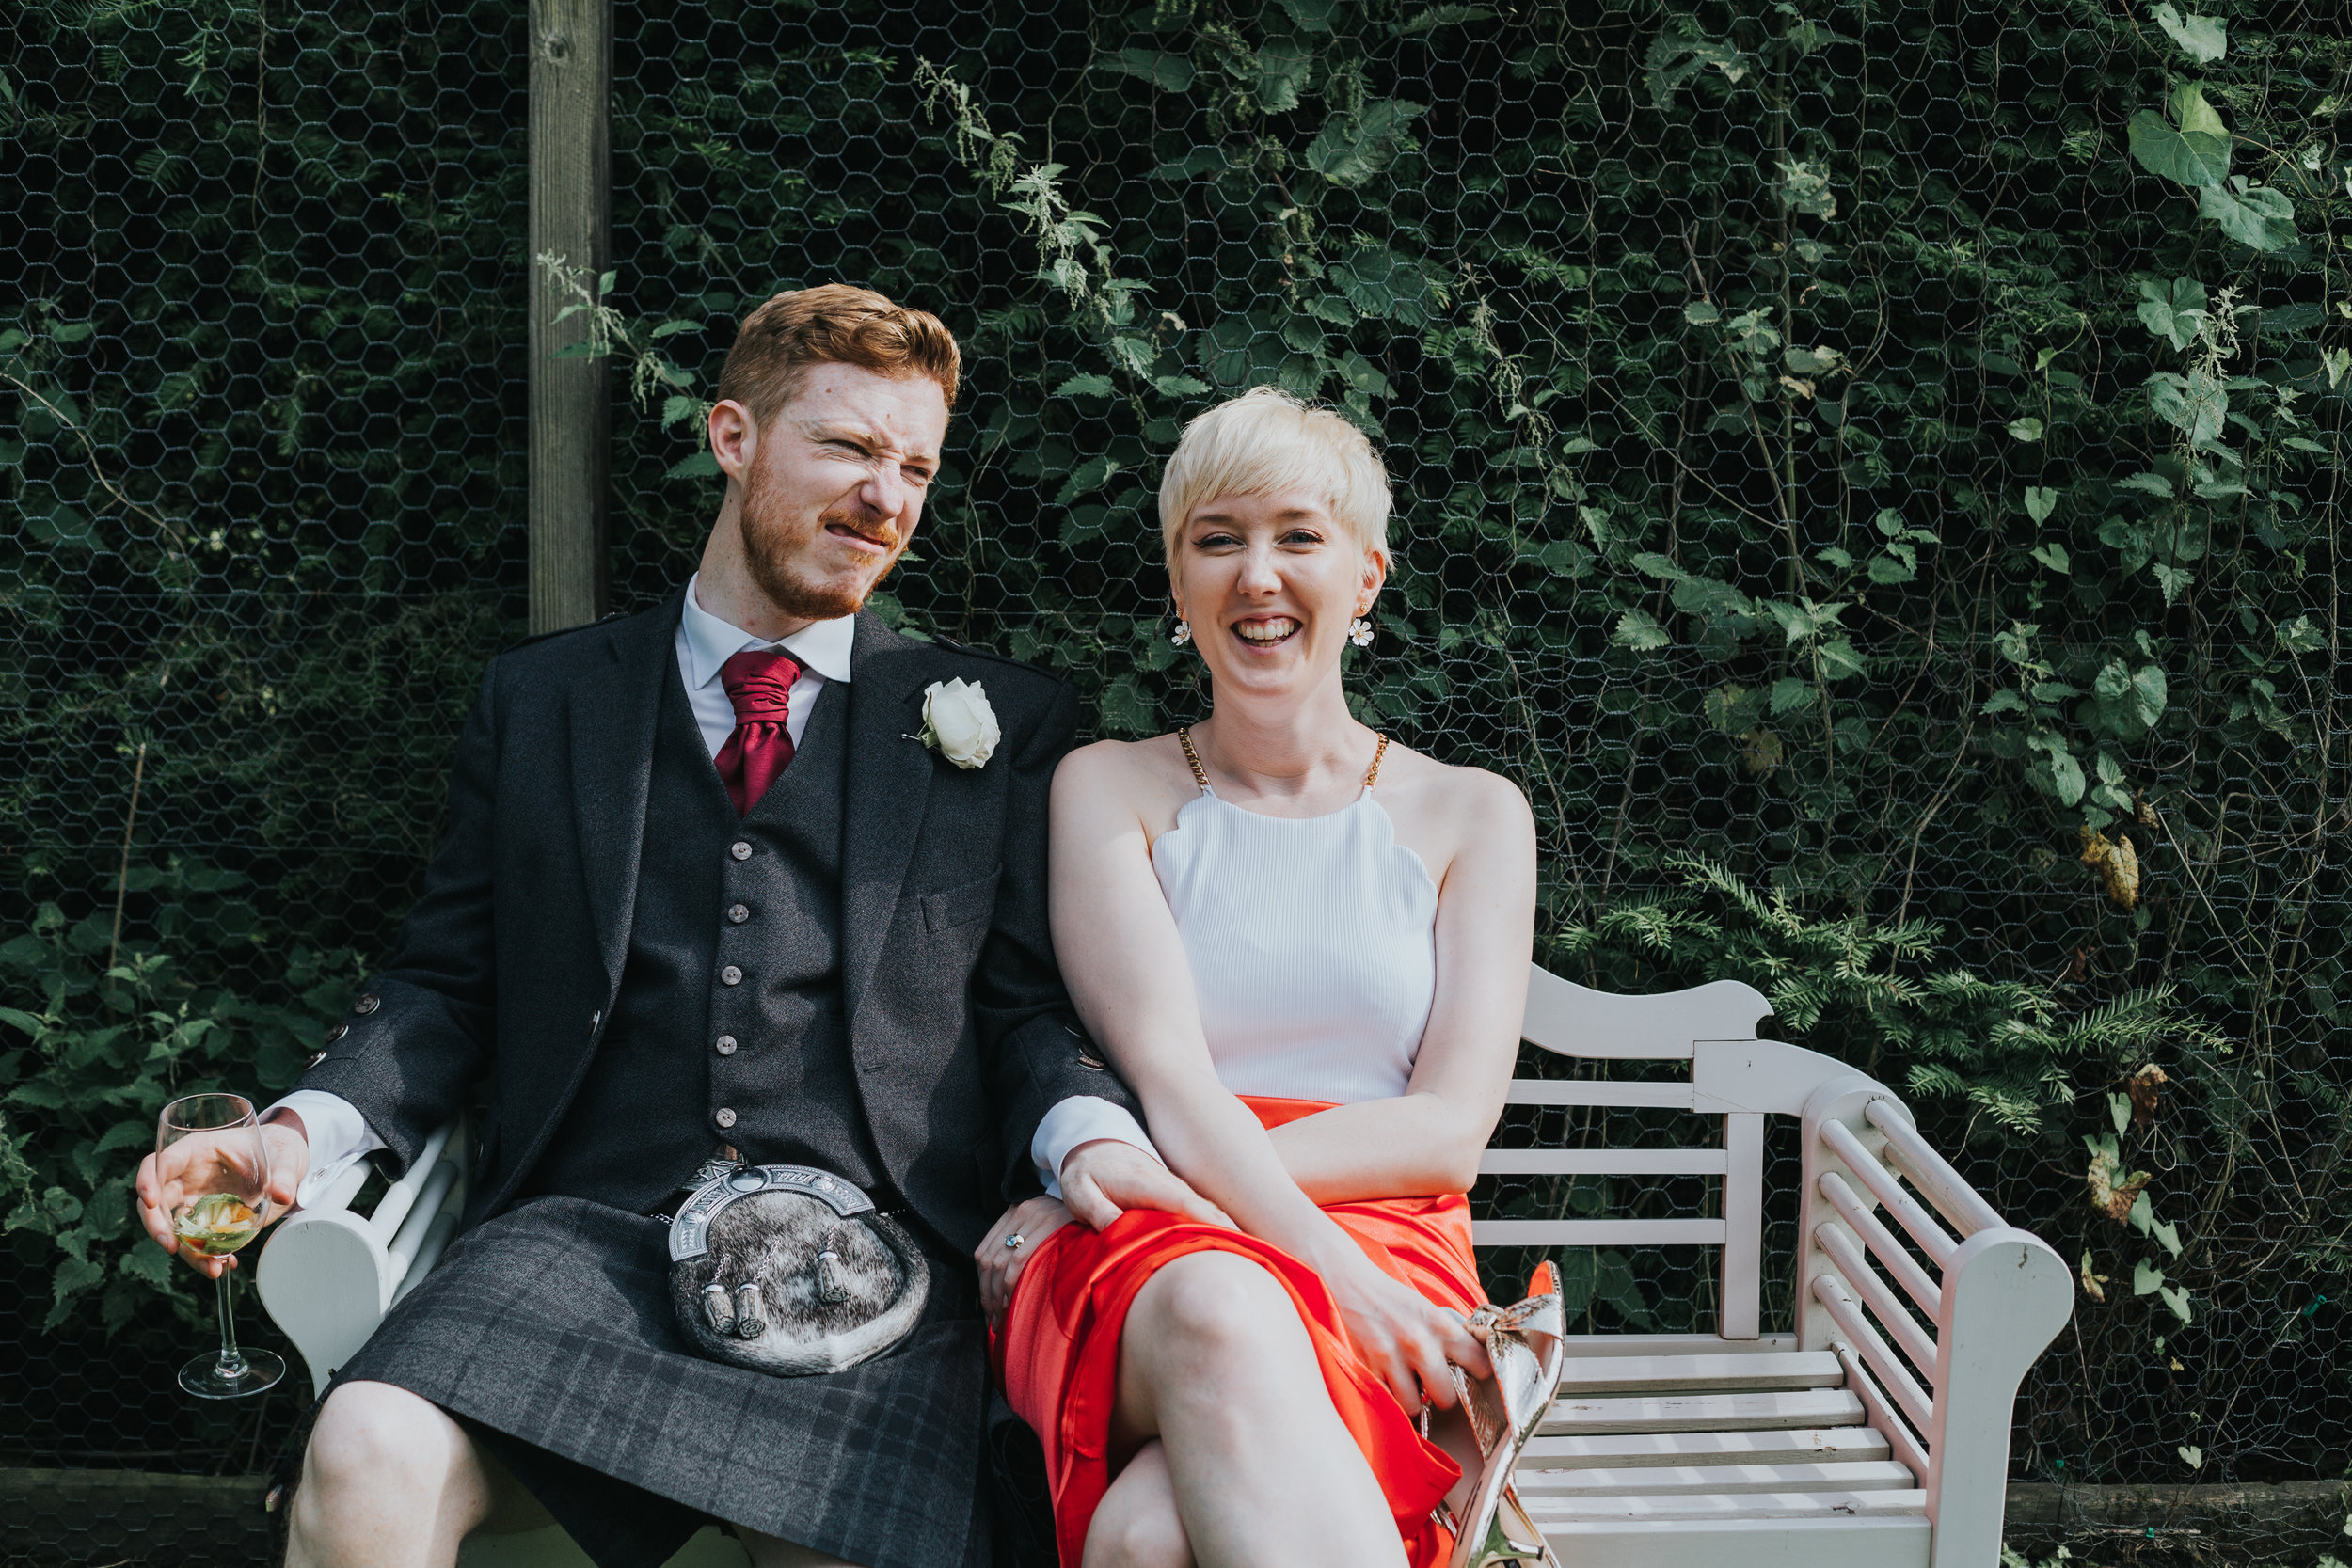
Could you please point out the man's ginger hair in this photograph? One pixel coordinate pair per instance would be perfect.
(833, 324)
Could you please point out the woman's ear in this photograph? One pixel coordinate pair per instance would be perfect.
(1376, 573)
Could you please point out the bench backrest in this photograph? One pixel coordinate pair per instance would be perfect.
(1733, 1074)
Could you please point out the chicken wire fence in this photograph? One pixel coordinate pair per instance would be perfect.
(1869, 471)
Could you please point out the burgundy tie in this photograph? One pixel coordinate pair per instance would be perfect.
(759, 683)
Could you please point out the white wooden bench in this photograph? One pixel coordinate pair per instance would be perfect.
(1874, 1435)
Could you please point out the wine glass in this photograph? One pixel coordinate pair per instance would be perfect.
(219, 1203)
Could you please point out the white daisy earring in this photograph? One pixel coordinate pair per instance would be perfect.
(1183, 634)
(1360, 632)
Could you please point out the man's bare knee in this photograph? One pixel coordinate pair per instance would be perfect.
(380, 1454)
(375, 1434)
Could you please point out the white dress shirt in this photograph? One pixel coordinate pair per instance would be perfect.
(339, 1135)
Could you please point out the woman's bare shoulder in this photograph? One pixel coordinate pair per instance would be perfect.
(1472, 799)
(1148, 776)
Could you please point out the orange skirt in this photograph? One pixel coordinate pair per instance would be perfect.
(1057, 1347)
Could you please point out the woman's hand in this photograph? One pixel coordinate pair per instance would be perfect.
(1403, 1336)
(1032, 1220)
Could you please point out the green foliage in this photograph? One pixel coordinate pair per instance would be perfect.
(110, 1036)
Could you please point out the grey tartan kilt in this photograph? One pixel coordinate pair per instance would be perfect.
(549, 1331)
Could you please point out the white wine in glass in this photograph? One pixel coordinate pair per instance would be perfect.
(219, 1194)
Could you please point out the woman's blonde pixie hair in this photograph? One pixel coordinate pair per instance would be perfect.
(1266, 441)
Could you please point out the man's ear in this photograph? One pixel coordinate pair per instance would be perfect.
(734, 439)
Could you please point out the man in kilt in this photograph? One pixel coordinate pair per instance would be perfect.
(746, 877)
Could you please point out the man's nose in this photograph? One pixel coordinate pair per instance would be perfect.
(885, 493)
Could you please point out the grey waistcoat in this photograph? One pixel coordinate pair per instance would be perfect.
(728, 1028)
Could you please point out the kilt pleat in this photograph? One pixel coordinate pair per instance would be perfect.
(552, 1326)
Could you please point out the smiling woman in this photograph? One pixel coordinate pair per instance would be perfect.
(1317, 994)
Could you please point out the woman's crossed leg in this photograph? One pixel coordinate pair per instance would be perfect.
(1238, 1458)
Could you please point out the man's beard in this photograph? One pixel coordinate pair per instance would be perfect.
(772, 546)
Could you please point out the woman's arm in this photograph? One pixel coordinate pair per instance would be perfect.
(1429, 1140)
(1128, 975)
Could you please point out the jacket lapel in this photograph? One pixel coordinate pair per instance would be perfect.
(613, 708)
(889, 780)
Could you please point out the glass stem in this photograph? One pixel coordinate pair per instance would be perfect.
(232, 1359)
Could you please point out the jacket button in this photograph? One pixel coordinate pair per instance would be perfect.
(367, 1004)
(730, 975)
(725, 1116)
(738, 913)
(727, 1045)
(740, 850)
(338, 1033)
(1085, 1060)
(316, 1057)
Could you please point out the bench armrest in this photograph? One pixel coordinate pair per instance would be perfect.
(326, 1275)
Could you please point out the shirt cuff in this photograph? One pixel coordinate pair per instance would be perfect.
(1080, 1119)
(338, 1134)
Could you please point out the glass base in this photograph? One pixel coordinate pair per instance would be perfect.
(258, 1370)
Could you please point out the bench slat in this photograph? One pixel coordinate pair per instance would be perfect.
(1603, 1162)
(1620, 1451)
(1736, 1505)
(1586, 1091)
(1597, 1232)
(1816, 1407)
(1747, 1374)
(1882, 1475)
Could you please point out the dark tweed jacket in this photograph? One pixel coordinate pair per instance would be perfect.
(961, 1034)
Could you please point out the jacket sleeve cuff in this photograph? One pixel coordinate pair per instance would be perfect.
(338, 1134)
(1080, 1119)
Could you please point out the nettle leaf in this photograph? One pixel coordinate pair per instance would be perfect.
(1381, 283)
(1804, 187)
(1351, 149)
(1283, 66)
(2196, 152)
(1171, 73)
(2254, 216)
(1639, 631)
(2174, 311)
(1085, 386)
(2201, 37)
(2195, 405)
(1676, 58)
(2298, 636)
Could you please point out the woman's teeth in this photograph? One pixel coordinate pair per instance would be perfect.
(1266, 632)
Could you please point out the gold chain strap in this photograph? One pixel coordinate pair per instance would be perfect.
(1200, 774)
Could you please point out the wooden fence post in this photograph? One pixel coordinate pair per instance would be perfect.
(571, 216)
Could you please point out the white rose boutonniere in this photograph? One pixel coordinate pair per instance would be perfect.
(958, 723)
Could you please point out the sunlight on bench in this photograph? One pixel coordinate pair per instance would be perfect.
(1875, 1435)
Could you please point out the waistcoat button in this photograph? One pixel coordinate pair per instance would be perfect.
(725, 1116)
(730, 975)
(738, 913)
(740, 850)
(727, 1045)
(338, 1033)
(367, 1004)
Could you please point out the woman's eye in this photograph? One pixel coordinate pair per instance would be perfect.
(1302, 536)
(1215, 541)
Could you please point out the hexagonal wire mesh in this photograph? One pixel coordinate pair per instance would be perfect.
(1857, 470)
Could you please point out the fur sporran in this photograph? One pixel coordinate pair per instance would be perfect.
(789, 1270)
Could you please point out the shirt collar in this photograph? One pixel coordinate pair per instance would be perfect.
(821, 646)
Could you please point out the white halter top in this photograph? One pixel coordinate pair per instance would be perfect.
(1313, 942)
